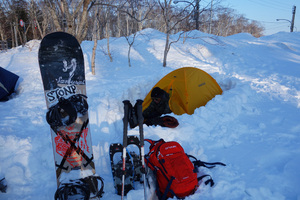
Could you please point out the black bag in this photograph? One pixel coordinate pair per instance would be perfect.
(132, 116)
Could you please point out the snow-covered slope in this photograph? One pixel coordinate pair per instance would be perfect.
(253, 126)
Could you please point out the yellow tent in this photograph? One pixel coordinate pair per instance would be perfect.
(188, 87)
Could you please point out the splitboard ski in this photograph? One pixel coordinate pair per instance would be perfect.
(131, 167)
(63, 75)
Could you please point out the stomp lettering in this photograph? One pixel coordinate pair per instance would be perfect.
(61, 92)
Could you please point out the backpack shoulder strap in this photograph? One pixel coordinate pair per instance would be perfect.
(153, 142)
(199, 163)
(210, 180)
(150, 141)
(167, 190)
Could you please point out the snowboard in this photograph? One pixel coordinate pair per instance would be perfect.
(63, 75)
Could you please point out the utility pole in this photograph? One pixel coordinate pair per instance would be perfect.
(293, 19)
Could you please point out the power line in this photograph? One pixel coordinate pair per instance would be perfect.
(275, 22)
(264, 4)
(279, 4)
(269, 5)
(281, 27)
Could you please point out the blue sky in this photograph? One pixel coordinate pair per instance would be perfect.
(266, 12)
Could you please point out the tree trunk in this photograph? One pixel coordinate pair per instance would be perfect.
(108, 50)
(118, 25)
(95, 39)
(129, 62)
(54, 16)
(107, 36)
(167, 48)
(167, 21)
(83, 21)
(94, 56)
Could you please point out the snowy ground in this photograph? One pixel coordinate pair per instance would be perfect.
(253, 126)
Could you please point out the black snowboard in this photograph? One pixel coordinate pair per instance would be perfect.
(63, 75)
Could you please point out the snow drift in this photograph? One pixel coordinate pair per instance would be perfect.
(253, 127)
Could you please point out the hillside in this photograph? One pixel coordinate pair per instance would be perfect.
(253, 126)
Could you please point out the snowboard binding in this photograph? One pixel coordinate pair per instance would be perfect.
(77, 189)
(80, 189)
(65, 112)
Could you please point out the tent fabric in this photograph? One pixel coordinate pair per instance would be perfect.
(8, 81)
(189, 88)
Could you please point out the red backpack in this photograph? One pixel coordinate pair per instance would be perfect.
(176, 174)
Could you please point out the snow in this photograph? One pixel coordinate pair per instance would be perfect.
(253, 127)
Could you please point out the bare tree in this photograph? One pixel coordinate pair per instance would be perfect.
(135, 14)
(95, 38)
(107, 31)
(3, 20)
(171, 20)
(33, 22)
(227, 22)
(117, 18)
(255, 29)
(70, 16)
(16, 10)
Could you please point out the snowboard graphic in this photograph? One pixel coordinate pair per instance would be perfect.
(62, 69)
